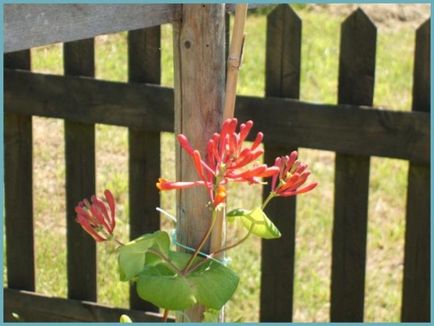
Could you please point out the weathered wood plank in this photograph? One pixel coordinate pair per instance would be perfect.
(416, 288)
(18, 180)
(344, 128)
(144, 147)
(30, 25)
(282, 80)
(87, 100)
(356, 86)
(34, 307)
(80, 180)
(199, 48)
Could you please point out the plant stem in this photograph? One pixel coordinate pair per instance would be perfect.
(270, 197)
(201, 244)
(165, 315)
(234, 244)
(166, 259)
(211, 255)
(118, 242)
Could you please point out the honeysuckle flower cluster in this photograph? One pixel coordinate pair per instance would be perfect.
(149, 259)
(98, 217)
(228, 158)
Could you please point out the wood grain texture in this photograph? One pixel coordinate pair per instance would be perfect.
(144, 147)
(80, 180)
(31, 25)
(282, 80)
(416, 288)
(356, 86)
(199, 48)
(34, 307)
(350, 129)
(18, 185)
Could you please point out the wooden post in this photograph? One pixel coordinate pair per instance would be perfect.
(199, 48)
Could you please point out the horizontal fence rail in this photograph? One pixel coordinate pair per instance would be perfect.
(345, 128)
(352, 128)
(29, 306)
(28, 25)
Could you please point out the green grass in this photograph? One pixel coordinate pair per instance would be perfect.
(320, 52)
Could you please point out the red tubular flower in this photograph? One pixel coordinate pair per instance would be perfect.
(163, 184)
(292, 175)
(227, 159)
(97, 218)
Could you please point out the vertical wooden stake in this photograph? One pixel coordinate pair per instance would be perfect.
(234, 59)
(199, 48)
(233, 65)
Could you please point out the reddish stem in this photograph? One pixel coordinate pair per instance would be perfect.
(165, 315)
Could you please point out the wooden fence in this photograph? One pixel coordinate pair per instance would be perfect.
(351, 128)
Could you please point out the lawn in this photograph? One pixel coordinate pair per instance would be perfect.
(319, 76)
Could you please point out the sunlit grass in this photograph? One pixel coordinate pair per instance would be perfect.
(320, 53)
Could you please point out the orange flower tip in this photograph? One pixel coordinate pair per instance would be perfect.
(160, 182)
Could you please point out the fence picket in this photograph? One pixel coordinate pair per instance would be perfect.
(80, 180)
(144, 146)
(356, 86)
(416, 287)
(282, 80)
(18, 190)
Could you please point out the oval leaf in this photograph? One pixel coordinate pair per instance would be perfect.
(132, 256)
(212, 284)
(165, 289)
(261, 225)
(125, 319)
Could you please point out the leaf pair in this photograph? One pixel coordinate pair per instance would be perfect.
(159, 282)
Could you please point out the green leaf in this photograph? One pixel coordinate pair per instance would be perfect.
(212, 284)
(125, 319)
(262, 225)
(257, 220)
(235, 213)
(133, 255)
(165, 289)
